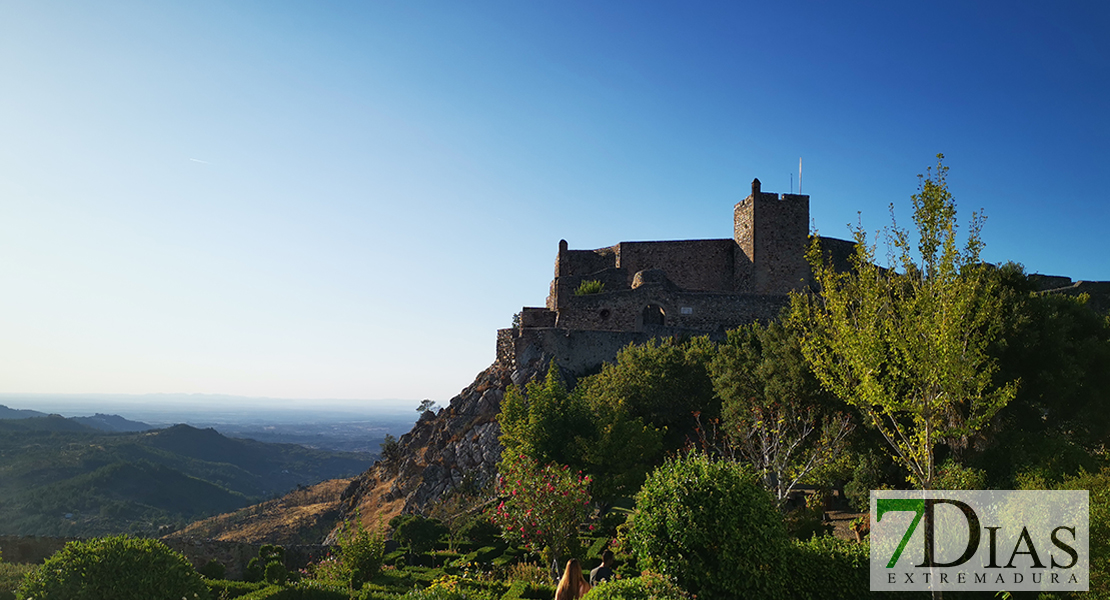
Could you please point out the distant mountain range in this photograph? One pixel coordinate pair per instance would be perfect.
(104, 474)
(97, 421)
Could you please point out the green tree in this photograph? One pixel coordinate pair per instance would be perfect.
(775, 414)
(1057, 423)
(547, 423)
(391, 452)
(596, 434)
(907, 345)
(621, 452)
(661, 382)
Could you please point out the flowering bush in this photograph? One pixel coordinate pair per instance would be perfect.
(543, 506)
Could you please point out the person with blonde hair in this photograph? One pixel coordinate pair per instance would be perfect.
(572, 586)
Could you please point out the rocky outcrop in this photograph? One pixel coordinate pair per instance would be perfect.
(456, 446)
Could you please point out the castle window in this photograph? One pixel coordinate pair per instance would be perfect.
(653, 315)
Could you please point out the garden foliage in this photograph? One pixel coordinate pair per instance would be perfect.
(710, 526)
(543, 505)
(119, 567)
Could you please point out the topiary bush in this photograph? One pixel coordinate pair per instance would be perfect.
(711, 527)
(120, 567)
(417, 532)
(480, 532)
(213, 569)
(276, 573)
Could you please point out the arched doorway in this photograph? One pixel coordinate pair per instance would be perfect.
(653, 315)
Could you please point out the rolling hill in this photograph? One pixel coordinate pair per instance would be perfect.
(60, 477)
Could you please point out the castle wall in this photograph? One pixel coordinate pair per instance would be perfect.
(697, 265)
(702, 311)
(579, 352)
(584, 262)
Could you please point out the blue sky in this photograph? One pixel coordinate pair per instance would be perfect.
(346, 200)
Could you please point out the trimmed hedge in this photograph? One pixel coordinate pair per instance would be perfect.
(119, 567)
(226, 588)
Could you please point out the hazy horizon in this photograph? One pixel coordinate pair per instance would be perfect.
(162, 409)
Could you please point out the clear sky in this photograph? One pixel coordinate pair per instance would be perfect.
(346, 200)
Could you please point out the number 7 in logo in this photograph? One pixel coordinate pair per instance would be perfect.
(885, 505)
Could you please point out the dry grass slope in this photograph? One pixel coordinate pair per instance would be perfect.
(303, 516)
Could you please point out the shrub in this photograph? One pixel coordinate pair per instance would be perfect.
(827, 567)
(276, 573)
(10, 577)
(710, 526)
(954, 476)
(360, 554)
(253, 571)
(649, 586)
(227, 589)
(1098, 489)
(480, 532)
(121, 567)
(213, 569)
(591, 286)
(417, 532)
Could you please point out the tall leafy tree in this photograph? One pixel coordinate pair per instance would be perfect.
(551, 425)
(662, 382)
(1057, 423)
(907, 345)
(775, 413)
(544, 421)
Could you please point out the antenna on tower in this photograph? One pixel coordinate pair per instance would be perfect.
(799, 175)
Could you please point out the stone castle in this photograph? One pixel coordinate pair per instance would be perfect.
(657, 289)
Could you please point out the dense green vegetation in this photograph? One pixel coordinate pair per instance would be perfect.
(58, 477)
(122, 568)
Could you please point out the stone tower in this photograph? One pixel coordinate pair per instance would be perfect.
(771, 232)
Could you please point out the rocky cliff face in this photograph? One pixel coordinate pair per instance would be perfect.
(457, 446)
